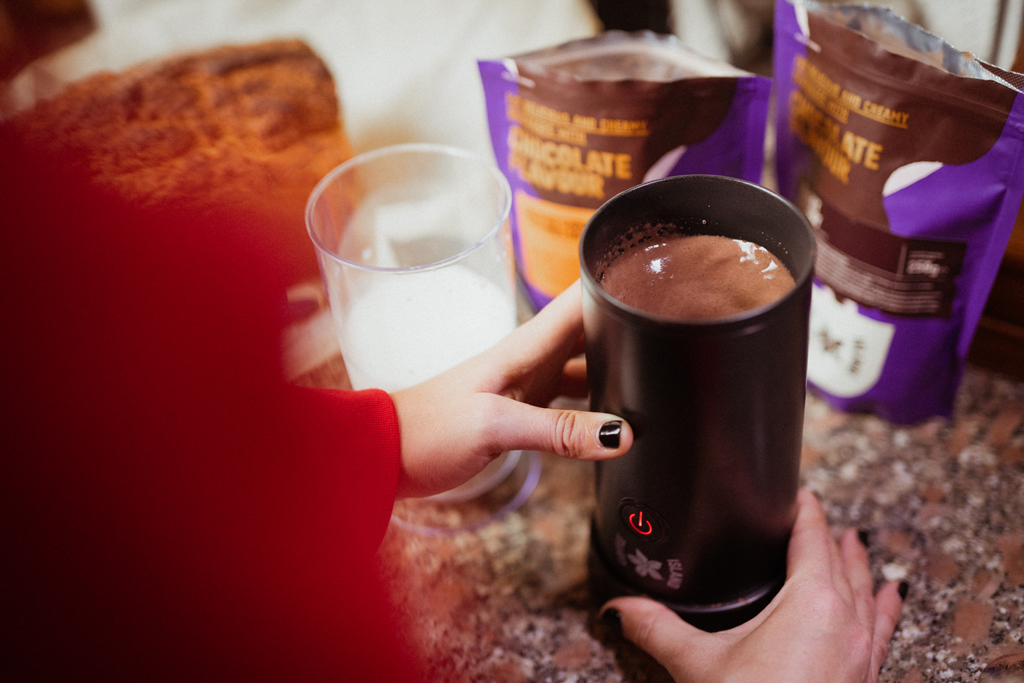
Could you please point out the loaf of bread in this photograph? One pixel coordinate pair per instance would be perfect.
(255, 126)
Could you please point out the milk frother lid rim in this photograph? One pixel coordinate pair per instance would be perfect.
(752, 317)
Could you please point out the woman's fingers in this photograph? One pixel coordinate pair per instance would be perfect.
(858, 573)
(575, 434)
(810, 546)
(574, 378)
(452, 425)
(825, 624)
(684, 650)
(850, 575)
(555, 330)
(888, 605)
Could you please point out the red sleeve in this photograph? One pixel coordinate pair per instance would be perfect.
(364, 426)
(173, 510)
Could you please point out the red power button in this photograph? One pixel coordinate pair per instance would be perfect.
(640, 525)
(642, 520)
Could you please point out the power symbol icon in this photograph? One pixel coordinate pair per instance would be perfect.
(639, 524)
(642, 520)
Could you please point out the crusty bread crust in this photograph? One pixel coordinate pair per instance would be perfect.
(254, 126)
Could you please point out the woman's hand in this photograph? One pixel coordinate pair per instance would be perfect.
(454, 424)
(824, 625)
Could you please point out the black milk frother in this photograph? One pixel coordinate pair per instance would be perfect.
(698, 513)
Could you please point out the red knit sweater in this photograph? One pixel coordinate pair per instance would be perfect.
(172, 509)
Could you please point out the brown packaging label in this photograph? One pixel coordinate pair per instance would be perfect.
(579, 146)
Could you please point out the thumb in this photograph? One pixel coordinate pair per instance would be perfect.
(654, 628)
(576, 434)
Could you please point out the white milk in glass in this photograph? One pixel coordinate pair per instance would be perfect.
(406, 328)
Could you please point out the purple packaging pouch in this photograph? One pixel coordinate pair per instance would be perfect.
(574, 125)
(906, 157)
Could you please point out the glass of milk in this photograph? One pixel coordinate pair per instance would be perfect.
(416, 255)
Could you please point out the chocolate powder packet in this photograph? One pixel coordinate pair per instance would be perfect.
(905, 155)
(574, 125)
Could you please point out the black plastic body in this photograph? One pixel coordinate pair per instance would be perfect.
(698, 513)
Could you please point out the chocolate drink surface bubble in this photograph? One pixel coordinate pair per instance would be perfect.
(695, 277)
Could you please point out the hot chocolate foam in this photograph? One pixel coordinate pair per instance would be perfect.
(695, 277)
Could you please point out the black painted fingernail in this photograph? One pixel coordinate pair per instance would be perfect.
(609, 433)
(612, 619)
(903, 589)
(864, 537)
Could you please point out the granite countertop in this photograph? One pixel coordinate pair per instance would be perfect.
(942, 502)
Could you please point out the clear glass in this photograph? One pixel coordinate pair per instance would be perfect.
(416, 256)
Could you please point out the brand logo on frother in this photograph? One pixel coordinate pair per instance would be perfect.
(644, 566)
(649, 568)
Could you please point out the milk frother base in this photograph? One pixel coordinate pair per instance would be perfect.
(716, 617)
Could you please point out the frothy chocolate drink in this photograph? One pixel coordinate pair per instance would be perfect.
(695, 277)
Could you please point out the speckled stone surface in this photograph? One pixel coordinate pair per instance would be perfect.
(943, 502)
